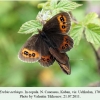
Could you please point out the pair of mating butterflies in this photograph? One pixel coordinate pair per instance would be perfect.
(50, 44)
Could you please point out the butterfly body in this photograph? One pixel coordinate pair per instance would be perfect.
(50, 44)
(47, 40)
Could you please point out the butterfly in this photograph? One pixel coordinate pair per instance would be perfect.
(50, 44)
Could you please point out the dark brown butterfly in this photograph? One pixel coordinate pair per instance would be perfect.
(50, 44)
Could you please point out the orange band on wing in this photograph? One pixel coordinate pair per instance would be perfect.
(30, 53)
(64, 44)
(62, 21)
(46, 58)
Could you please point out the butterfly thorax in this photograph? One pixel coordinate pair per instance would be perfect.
(47, 40)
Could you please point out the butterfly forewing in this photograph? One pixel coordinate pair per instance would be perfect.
(65, 67)
(62, 42)
(46, 58)
(60, 23)
(30, 52)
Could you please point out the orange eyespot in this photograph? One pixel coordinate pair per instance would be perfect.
(62, 23)
(46, 58)
(30, 53)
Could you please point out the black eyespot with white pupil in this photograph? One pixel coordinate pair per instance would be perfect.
(63, 26)
(62, 19)
(33, 54)
(66, 45)
(25, 52)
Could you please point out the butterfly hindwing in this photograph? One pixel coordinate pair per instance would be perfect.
(60, 23)
(62, 59)
(30, 52)
(66, 44)
(62, 42)
(46, 58)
